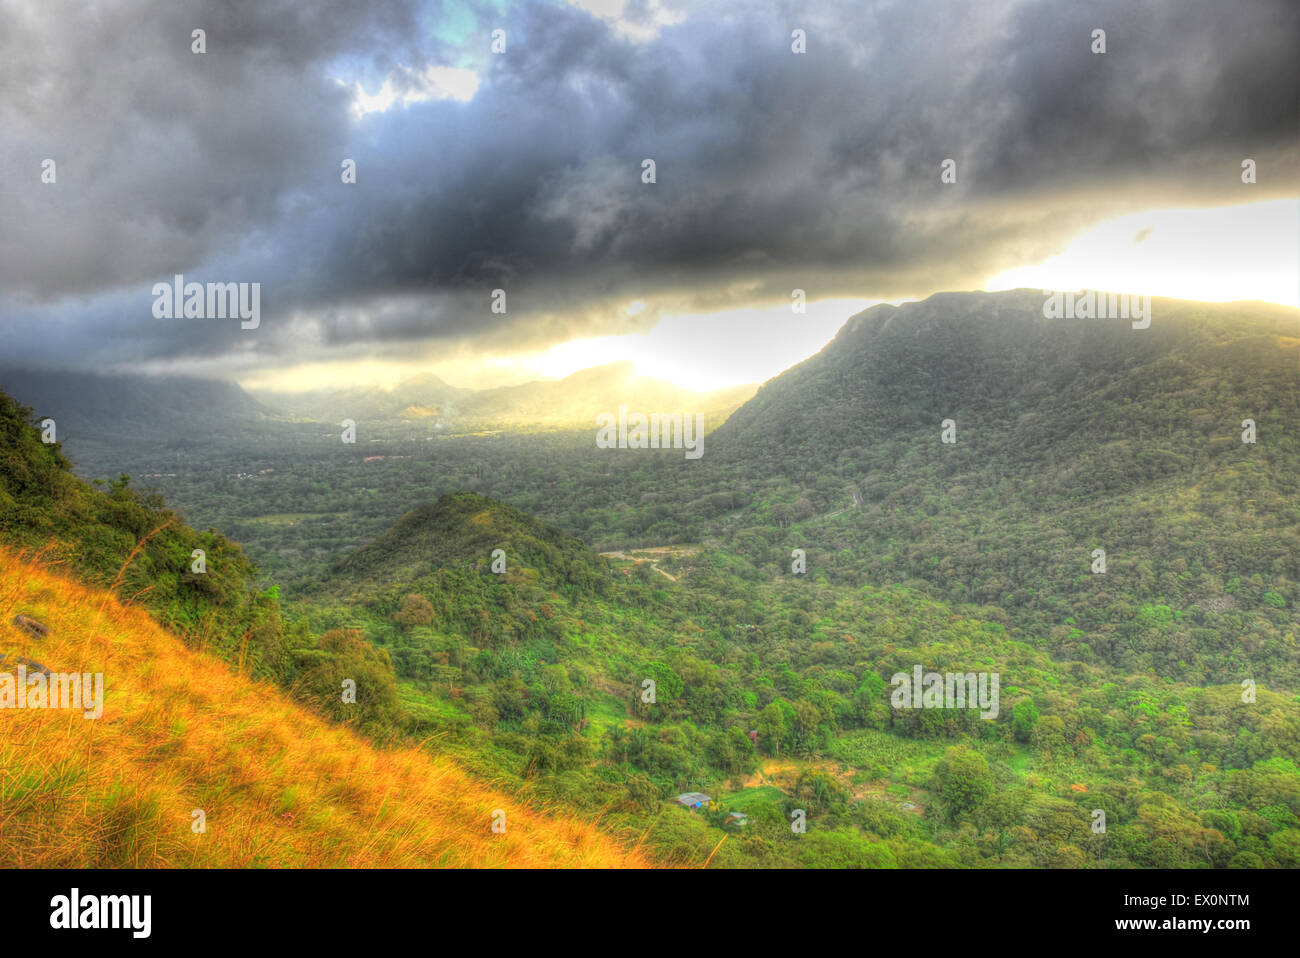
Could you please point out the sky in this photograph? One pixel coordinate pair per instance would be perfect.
(522, 170)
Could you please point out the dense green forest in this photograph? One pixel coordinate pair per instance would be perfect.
(1158, 696)
(537, 674)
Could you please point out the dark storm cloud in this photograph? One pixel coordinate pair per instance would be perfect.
(774, 170)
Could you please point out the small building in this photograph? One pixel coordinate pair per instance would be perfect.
(739, 819)
(693, 800)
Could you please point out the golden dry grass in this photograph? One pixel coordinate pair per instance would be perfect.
(181, 731)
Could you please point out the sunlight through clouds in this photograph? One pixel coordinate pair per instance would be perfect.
(1251, 251)
(728, 348)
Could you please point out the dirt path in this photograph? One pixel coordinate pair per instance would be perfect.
(783, 773)
(652, 555)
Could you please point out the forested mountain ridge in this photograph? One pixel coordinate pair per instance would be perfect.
(1015, 380)
(1071, 436)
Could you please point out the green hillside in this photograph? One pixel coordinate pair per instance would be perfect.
(1071, 436)
(129, 542)
(198, 585)
(463, 530)
(774, 697)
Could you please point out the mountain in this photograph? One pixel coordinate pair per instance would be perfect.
(104, 409)
(419, 397)
(1071, 436)
(464, 529)
(576, 400)
(1020, 386)
(278, 786)
(571, 402)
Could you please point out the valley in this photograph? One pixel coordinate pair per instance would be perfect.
(1121, 693)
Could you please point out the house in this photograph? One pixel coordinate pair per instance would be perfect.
(693, 800)
(739, 819)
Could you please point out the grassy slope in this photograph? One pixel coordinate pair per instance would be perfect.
(181, 731)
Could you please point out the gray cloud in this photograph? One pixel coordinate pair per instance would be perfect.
(774, 170)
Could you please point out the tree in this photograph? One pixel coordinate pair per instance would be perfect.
(773, 726)
(870, 704)
(817, 792)
(347, 666)
(415, 610)
(1023, 719)
(963, 780)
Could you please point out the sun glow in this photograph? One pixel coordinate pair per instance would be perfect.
(1247, 252)
(697, 351)
(1216, 255)
(705, 351)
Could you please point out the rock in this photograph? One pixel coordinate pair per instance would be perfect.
(31, 626)
(31, 665)
(35, 667)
